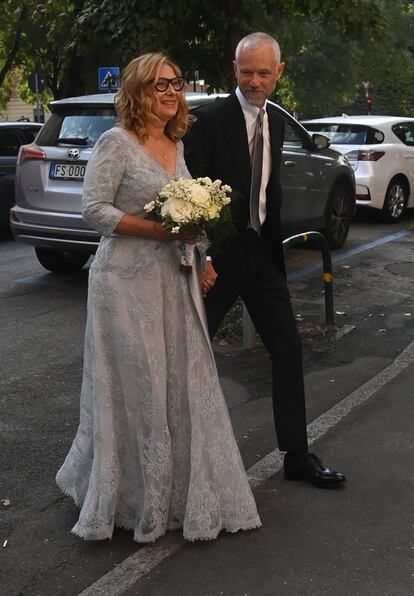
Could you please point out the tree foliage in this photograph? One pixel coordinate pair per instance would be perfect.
(13, 21)
(329, 70)
(203, 36)
(330, 47)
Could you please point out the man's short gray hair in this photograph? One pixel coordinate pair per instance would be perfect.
(252, 41)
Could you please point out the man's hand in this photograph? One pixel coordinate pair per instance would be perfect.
(207, 278)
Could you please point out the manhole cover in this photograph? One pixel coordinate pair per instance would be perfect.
(401, 268)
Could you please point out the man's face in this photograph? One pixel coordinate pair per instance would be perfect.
(257, 71)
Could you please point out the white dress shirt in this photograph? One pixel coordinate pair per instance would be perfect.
(250, 115)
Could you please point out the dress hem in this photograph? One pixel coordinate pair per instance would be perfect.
(188, 537)
(81, 531)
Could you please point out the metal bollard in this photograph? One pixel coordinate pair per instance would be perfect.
(327, 267)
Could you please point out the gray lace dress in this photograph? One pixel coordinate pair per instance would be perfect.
(155, 449)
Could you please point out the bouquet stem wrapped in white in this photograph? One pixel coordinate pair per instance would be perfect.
(186, 205)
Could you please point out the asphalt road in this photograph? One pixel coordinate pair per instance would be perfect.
(42, 319)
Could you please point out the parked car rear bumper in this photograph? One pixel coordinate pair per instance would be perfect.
(48, 236)
(366, 178)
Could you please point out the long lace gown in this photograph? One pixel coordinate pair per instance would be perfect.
(155, 448)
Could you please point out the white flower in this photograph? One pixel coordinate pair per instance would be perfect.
(185, 203)
(213, 210)
(178, 210)
(150, 206)
(199, 195)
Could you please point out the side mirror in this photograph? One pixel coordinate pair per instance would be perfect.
(320, 141)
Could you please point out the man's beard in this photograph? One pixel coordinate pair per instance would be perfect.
(255, 99)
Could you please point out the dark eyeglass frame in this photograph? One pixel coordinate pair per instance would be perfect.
(162, 84)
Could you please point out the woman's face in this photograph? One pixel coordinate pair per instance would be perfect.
(166, 102)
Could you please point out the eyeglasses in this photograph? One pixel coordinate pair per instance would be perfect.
(162, 84)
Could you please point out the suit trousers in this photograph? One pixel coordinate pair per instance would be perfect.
(245, 269)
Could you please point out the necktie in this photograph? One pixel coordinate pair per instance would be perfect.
(256, 163)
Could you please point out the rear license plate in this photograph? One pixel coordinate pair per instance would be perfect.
(67, 171)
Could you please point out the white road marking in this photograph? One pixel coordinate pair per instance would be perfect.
(124, 575)
(273, 462)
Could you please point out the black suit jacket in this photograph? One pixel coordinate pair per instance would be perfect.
(216, 145)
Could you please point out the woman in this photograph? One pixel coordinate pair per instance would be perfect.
(155, 449)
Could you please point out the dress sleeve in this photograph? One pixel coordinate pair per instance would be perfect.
(103, 177)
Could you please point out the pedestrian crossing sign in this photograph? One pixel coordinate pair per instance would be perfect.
(109, 77)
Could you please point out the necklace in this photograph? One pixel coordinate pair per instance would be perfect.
(157, 140)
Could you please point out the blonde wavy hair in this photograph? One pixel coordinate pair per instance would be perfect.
(134, 101)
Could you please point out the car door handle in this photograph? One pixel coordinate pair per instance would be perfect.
(2, 173)
(290, 164)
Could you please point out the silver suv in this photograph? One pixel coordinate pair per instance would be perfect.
(318, 183)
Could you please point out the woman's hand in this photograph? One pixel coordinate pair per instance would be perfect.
(207, 278)
(135, 225)
(189, 236)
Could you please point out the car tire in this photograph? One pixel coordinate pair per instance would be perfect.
(61, 261)
(395, 202)
(338, 214)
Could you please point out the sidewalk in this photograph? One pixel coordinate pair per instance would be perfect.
(357, 540)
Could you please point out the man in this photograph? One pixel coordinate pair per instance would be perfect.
(239, 140)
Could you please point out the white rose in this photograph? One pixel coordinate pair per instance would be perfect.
(213, 211)
(199, 195)
(177, 209)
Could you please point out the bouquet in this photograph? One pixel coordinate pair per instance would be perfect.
(191, 205)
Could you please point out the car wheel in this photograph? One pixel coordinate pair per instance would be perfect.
(339, 211)
(395, 201)
(61, 261)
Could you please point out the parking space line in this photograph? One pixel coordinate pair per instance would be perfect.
(337, 258)
(37, 279)
(51, 280)
(124, 575)
(136, 566)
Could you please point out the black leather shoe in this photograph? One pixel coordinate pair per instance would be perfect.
(307, 466)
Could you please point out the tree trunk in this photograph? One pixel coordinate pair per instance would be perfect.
(12, 53)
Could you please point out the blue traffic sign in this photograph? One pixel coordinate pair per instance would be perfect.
(109, 78)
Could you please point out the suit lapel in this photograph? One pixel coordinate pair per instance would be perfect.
(234, 129)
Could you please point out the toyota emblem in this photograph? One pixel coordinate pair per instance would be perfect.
(73, 153)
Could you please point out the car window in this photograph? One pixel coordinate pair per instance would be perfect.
(294, 138)
(80, 123)
(405, 132)
(29, 134)
(347, 134)
(9, 143)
